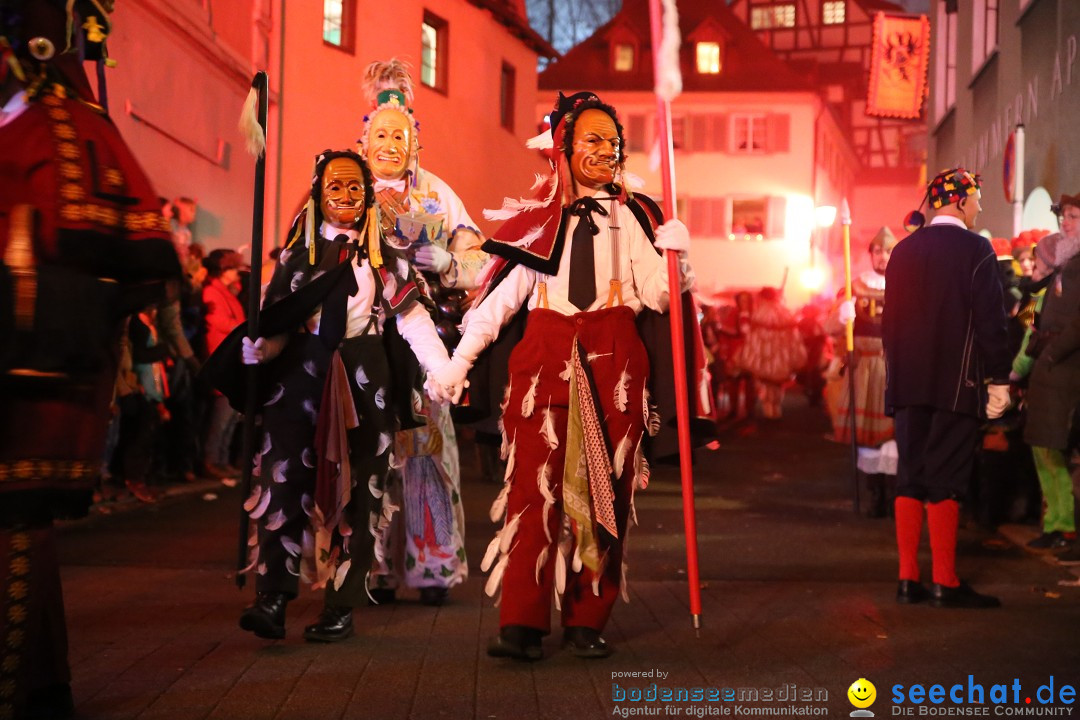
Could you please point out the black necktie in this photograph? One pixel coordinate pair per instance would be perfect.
(335, 309)
(582, 291)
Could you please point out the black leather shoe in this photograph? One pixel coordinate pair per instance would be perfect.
(585, 642)
(266, 618)
(433, 596)
(517, 642)
(909, 592)
(334, 624)
(382, 596)
(1046, 541)
(962, 596)
(50, 703)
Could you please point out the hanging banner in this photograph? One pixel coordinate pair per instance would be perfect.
(898, 65)
(1008, 174)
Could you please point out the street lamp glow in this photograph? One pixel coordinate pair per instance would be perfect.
(825, 215)
(812, 279)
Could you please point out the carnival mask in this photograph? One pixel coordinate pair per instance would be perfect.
(389, 144)
(342, 193)
(595, 156)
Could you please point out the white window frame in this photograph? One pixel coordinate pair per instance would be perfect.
(944, 62)
(749, 118)
(984, 32)
(829, 14)
(615, 57)
(772, 16)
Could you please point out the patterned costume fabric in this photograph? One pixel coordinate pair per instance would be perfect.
(424, 545)
(773, 350)
(872, 426)
(542, 552)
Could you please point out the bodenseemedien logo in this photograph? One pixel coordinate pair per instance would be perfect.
(862, 694)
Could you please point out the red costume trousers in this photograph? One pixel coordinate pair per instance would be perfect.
(538, 366)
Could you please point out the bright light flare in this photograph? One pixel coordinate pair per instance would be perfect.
(812, 279)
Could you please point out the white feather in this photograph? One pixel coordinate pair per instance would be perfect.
(495, 579)
(596, 585)
(510, 460)
(620, 454)
(543, 141)
(622, 388)
(541, 561)
(528, 403)
(308, 457)
(547, 429)
(384, 443)
(403, 267)
(260, 509)
(543, 482)
(654, 423)
(361, 377)
(307, 504)
(491, 553)
(290, 546)
(508, 532)
(511, 207)
(634, 182)
(279, 391)
(575, 563)
(309, 408)
(533, 233)
(310, 369)
(297, 278)
(276, 520)
(280, 468)
(567, 371)
(342, 571)
(253, 536)
(499, 506)
(261, 570)
(253, 499)
(380, 398)
(594, 356)
(252, 131)
(504, 444)
(641, 470)
(292, 566)
(538, 180)
(266, 444)
(506, 396)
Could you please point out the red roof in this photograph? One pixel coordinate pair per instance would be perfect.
(748, 64)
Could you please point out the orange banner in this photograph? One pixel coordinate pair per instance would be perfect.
(898, 66)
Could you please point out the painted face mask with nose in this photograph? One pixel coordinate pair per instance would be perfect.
(342, 193)
(389, 144)
(596, 150)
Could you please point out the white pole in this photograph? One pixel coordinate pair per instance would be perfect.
(1018, 182)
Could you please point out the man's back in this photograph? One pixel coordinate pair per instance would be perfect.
(944, 328)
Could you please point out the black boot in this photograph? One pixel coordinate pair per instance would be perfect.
(518, 642)
(266, 618)
(433, 596)
(585, 642)
(334, 624)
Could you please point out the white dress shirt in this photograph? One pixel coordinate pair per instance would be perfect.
(414, 324)
(642, 272)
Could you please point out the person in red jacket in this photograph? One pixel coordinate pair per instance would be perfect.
(224, 312)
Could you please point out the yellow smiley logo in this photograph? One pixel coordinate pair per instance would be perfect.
(862, 693)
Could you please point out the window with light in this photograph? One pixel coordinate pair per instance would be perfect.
(766, 17)
(337, 23)
(708, 58)
(624, 57)
(833, 12)
(984, 32)
(433, 55)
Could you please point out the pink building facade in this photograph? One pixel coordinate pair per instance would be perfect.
(185, 66)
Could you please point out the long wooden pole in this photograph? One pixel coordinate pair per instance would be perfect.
(849, 340)
(261, 85)
(678, 347)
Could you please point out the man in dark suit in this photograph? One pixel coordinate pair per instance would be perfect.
(946, 350)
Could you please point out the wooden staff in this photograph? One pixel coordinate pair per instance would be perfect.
(257, 146)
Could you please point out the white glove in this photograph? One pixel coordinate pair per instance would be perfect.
(435, 391)
(451, 378)
(847, 312)
(673, 235)
(998, 401)
(433, 258)
(262, 350)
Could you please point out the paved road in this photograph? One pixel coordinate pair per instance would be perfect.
(797, 596)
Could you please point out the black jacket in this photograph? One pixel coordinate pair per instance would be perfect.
(944, 328)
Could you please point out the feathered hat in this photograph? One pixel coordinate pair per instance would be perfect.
(947, 187)
(389, 86)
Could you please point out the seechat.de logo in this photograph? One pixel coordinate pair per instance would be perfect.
(862, 695)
